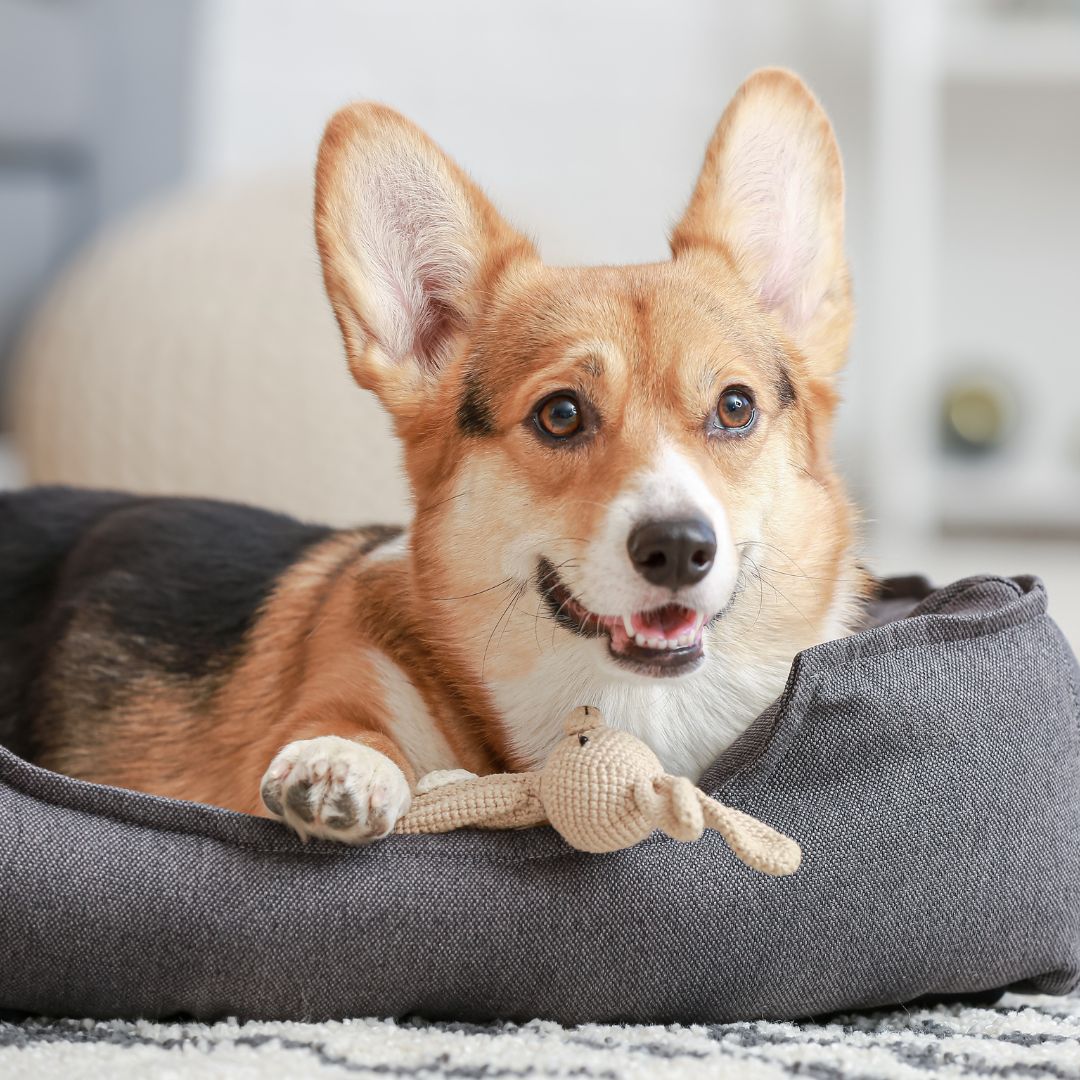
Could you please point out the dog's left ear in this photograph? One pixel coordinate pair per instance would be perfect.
(771, 197)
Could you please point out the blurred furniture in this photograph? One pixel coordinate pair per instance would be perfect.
(92, 117)
(191, 350)
(977, 235)
(966, 291)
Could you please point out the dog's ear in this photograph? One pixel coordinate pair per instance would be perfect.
(408, 243)
(770, 197)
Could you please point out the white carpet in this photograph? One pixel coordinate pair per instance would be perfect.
(1033, 1037)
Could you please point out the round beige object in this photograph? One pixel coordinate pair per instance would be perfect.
(191, 350)
(589, 789)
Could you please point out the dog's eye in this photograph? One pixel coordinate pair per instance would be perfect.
(735, 410)
(560, 415)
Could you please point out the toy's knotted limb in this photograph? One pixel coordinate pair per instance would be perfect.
(485, 802)
(680, 814)
(753, 841)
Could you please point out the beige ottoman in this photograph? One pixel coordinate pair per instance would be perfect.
(191, 350)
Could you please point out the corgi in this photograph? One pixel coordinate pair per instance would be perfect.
(623, 497)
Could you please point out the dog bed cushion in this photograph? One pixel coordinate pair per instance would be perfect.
(929, 767)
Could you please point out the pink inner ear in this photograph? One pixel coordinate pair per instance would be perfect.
(410, 235)
(435, 326)
(772, 192)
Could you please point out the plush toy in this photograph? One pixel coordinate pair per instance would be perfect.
(602, 790)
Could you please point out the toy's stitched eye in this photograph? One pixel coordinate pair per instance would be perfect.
(560, 415)
(736, 410)
(583, 740)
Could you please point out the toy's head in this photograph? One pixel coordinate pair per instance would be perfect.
(592, 785)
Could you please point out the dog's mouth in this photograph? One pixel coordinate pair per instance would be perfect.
(657, 642)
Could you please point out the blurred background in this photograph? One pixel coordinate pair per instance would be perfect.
(162, 325)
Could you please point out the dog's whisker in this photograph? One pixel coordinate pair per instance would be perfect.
(779, 550)
(555, 621)
(479, 592)
(788, 600)
(823, 580)
(513, 607)
(427, 507)
(536, 629)
(761, 590)
(508, 608)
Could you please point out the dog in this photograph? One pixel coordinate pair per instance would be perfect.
(623, 497)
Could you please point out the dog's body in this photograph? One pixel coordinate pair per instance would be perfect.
(623, 498)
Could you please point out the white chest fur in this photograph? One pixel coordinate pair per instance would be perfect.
(409, 721)
(687, 721)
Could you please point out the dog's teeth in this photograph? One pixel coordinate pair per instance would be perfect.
(656, 643)
(628, 624)
(640, 639)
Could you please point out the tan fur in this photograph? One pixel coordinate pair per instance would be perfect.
(653, 346)
(302, 675)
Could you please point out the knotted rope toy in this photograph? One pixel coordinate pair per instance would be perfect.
(602, 790)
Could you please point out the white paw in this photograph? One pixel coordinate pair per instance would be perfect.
(335, 789)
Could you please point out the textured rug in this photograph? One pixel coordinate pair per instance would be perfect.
(1033, 1037)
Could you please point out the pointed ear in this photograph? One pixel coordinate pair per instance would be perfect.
(407, 243)
(771, 197)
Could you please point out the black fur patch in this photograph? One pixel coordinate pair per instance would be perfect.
(185, 578)
(474, 411)
(785, 388)
(173, 584)
(37, 530)
(377, 535)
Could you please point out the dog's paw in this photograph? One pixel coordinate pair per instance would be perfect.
(335, 789)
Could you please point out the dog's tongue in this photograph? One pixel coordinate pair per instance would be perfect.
(669, 621)
(669, 627)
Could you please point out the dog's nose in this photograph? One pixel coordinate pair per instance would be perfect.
(672, 553)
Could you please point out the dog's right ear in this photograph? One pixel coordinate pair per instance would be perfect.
(408, 244)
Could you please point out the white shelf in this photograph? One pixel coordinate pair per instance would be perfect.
(1012, 495)
(923, 49)
(1011, 48)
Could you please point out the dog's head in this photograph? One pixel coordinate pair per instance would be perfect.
(638, 455)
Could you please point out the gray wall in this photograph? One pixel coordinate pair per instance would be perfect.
(93, 120)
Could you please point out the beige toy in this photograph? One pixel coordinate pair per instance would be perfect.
(602, 790)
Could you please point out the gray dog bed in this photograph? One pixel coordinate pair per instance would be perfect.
(929, 766)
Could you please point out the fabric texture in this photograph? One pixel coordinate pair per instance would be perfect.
(1021, 1036)
(929, 768)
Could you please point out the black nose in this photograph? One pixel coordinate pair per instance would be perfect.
(672, 553)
